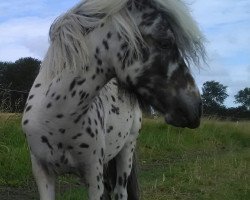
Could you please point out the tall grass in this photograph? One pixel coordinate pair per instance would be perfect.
(211, 162)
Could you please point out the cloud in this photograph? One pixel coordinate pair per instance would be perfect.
(29, 35)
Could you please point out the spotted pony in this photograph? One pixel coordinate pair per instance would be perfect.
(105, 58)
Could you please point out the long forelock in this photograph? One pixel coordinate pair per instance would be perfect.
(189, 39)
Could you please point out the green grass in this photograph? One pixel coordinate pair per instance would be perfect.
(212, 162)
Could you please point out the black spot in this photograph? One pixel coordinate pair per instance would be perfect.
(72, 85)
(89, 131)
(49, 105)
(97, 88)
(105, 44)
(70, 147)
(119, 56)
(97, 70)
(37, 85)
(116, 197)
(59, 116)
(59, 145)
(110, 128)
(119, 36)
(80, 103)
(124, 46)
(25, 122)
(84, 145)
(83, 95)
(115, 109)
(97, 50)
(102, 152)
(76, 136)
(99, 62)
(128, 80)
(31, 97)
(113, 98)
(81, 81)
(73, 93)
(109, 35)
(45, 140)
(28, 108)
(78, 119)
(58, 97)
(61, 130)
(89, 121)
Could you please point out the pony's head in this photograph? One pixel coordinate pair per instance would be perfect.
(147, 44)
(171, 41)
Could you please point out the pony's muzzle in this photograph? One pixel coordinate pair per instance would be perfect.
(185, 116)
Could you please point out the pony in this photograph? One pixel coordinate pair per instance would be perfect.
(106, 58)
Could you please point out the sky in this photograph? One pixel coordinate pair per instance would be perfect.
(24, 26)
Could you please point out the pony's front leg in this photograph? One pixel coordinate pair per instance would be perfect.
(124, 165)
(94, 180)
(45, 182)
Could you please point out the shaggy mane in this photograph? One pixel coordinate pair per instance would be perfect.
(68, 49)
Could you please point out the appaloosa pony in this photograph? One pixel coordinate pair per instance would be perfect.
(104, 57)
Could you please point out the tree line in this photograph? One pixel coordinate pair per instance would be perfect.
(214, 95)
(16, 79)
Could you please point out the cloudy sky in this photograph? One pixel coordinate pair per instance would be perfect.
(24, 26)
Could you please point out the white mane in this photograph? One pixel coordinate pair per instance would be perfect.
(68, 49)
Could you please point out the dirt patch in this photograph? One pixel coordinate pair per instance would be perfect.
(20, 193)
(31, 193)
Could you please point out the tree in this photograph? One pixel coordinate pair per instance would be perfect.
(20, 75)
(243, 98)
(213, 95)
(16, 80)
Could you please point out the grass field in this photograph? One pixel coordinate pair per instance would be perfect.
(212, 162)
